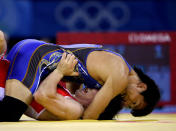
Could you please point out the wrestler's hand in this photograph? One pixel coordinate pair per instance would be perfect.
(67, 64)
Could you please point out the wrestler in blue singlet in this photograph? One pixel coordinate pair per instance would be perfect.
(30, 60)
(33, 60)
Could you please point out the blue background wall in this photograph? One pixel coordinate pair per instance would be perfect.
(44, 18)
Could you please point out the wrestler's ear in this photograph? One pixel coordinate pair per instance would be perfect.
(141, 87)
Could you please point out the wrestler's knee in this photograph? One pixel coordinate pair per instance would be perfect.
(18, 90)
(3, 44)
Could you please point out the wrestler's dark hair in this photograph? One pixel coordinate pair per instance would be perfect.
(151, 94)
(112, 109)
(151, 97)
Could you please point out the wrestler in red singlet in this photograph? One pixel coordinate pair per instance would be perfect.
(4, 65)
(38, 109)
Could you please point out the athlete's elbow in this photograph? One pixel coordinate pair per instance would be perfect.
(41, 96)
(75, 113)
(73, 116)
(38, 96)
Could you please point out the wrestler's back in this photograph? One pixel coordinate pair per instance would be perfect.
(101, 64)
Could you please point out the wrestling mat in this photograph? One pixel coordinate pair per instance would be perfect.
(124, 122)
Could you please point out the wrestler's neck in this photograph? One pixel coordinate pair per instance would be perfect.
(133, 78)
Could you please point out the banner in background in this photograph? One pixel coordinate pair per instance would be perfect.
(153, 52)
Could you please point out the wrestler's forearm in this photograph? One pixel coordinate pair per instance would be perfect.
(100, 102)
(49, 86)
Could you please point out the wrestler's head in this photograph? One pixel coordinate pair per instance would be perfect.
(85, 96)
(143, 96)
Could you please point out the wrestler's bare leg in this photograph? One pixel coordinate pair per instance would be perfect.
(16, 89)
(15, 102)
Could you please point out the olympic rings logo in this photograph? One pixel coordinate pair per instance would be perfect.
(92, 15)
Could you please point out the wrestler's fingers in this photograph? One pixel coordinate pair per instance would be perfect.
(72, 57)
(75, 61)
(71, 60)
(68, 58)
(63, 57)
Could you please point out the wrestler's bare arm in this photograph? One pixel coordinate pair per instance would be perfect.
(114, 74)
(46, 95)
